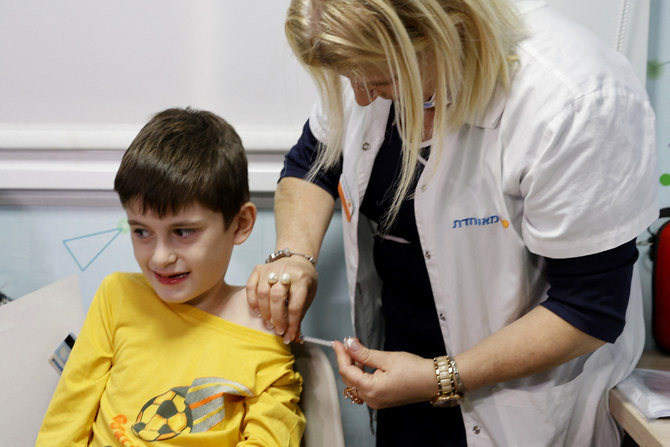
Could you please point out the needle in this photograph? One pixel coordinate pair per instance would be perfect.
(318, 341)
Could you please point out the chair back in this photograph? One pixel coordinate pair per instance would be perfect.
(320, 400)
(31, 329)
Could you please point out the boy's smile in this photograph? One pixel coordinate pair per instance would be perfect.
(184, 255)
(171, 279)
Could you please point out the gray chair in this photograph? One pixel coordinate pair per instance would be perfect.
(320, 400)
(31, 328)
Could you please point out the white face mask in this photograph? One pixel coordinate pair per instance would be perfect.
(430, 103)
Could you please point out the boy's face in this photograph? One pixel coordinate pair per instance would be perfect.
(185, 255)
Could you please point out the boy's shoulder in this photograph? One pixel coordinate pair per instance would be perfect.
(237, 310)
(118, 285)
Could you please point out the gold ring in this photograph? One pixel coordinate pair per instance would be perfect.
(352, 394)
(272, 277)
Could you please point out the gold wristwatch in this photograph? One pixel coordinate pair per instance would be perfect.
(448, 394)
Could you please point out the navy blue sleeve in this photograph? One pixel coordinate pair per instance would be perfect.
(302, 156)
(591, 292)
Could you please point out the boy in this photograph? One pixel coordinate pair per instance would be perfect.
(175, 354)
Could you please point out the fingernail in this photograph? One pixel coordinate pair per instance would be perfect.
(287, 340)
(269, 325)
(351, 344)
(279, 331)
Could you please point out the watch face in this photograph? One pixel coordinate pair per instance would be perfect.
(443, 401)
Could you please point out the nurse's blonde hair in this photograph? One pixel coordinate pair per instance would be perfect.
(470, 43)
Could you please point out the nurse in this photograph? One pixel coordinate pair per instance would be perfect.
(495, 164)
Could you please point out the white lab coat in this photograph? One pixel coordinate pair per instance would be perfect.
(563, 166)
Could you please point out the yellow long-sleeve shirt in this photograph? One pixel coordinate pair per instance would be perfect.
(144, 370)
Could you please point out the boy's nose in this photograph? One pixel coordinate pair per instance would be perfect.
(163, 255)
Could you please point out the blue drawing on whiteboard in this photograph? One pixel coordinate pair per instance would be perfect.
(86, 249)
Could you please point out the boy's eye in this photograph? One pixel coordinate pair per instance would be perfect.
(183, 232)
(140, 232)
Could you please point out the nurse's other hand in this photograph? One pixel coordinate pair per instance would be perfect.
(399, 378)
(281, 292)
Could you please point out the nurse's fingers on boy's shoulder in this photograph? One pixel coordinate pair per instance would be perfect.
(297, 305)
(251, 287)
(258, 293)
(278, 297)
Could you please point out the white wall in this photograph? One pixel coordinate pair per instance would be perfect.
(621, 23)
(78, 79)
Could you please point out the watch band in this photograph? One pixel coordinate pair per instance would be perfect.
(448, 394)
(285, 253)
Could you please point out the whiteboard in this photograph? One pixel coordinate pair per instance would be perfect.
(96, 66)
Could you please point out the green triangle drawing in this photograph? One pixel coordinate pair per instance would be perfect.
(86, 249)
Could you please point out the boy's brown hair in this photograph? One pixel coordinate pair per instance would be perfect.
(182, 156)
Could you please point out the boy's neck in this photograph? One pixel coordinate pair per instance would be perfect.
(216, 301)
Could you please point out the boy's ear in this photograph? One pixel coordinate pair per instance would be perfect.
(246, 219)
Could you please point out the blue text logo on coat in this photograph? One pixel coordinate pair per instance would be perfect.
(480, 221)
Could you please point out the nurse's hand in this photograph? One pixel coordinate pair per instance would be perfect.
(281, 292)
(399, 378)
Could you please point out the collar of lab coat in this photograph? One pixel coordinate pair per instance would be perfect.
(493, 111)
